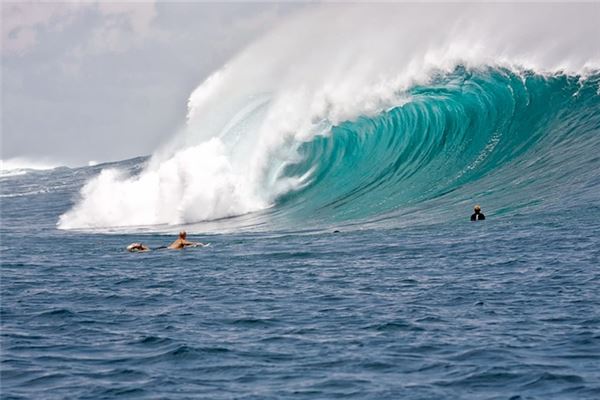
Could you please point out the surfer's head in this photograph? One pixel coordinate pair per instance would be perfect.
(182, 234)
(477, 208)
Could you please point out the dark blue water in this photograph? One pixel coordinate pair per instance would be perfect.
(509, 308)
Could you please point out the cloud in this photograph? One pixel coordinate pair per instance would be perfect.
(22, 21)
(109, 80)
(122, 24)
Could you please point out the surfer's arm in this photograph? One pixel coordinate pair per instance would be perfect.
(191, 244)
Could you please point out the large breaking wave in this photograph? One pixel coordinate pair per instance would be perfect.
(365, 113)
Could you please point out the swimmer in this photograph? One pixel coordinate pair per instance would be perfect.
(477, 215)
(180, 243)
(137, 247)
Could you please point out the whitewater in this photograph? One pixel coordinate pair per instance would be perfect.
(331, 72)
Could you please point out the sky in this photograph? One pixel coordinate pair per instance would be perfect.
(106, 81)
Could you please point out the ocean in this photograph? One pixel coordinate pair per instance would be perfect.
(333, 164)
(360, 275)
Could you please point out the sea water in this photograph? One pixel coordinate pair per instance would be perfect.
(506, 308)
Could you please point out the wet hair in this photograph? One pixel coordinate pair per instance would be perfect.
(182, 234)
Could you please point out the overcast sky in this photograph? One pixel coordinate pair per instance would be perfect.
(105, 81)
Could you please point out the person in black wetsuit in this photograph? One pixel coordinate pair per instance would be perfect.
(477, 215)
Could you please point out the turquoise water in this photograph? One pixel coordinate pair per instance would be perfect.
(409, 300)
(491, 136)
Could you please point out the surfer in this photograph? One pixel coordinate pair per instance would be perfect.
(137, 247)
(477, 215)
(180, 243)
